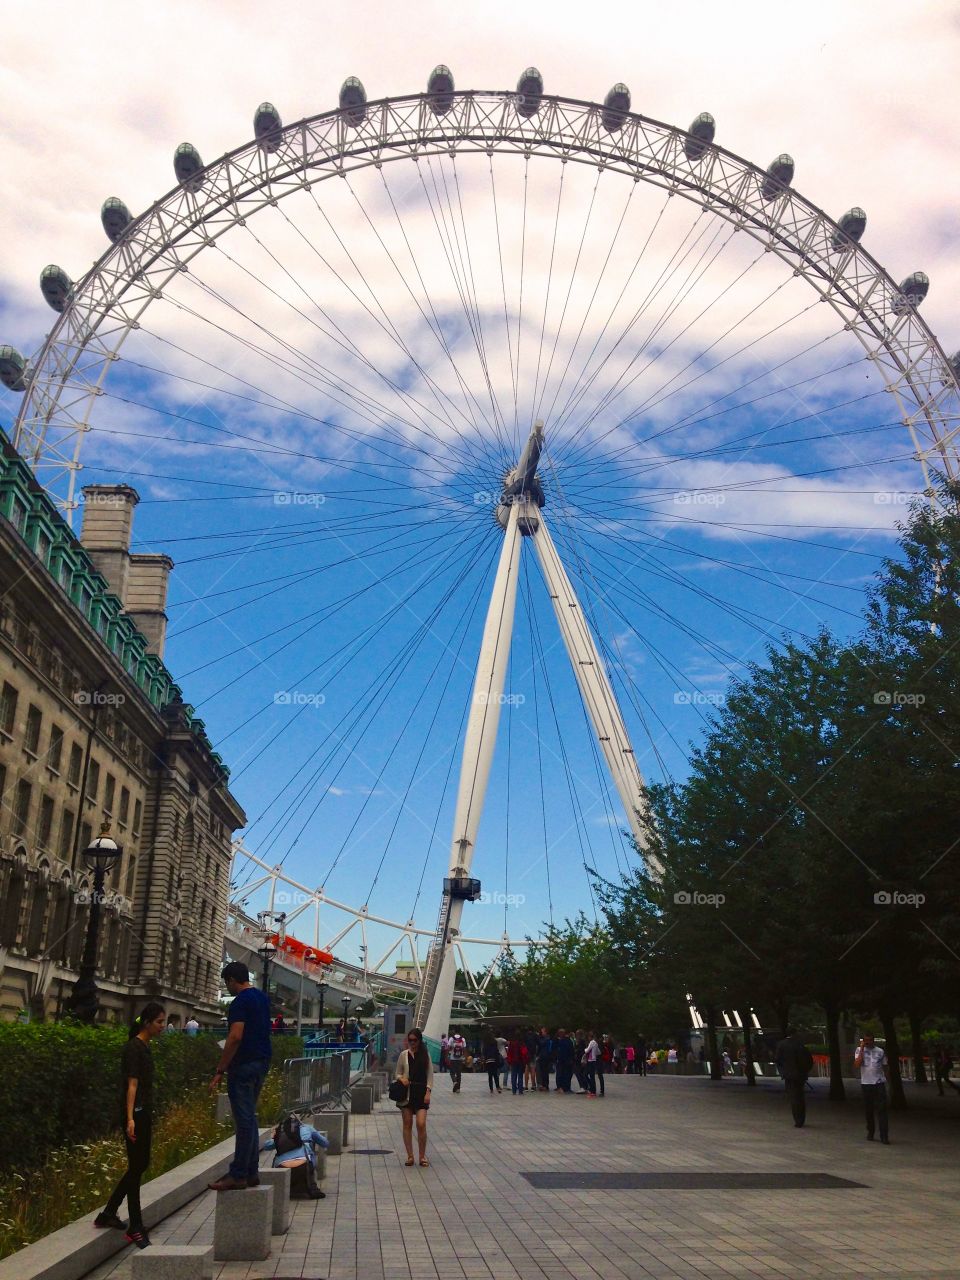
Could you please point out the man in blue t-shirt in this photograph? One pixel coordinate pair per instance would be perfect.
(244, 1060)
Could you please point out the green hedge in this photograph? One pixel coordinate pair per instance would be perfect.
(60, 1083)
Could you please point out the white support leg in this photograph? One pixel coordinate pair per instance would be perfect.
(595, 688)
(478, 748)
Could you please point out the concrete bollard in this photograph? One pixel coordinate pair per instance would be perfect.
(173, 1262)
(223, 1108)
(242, 1225)
(361, 1099)
(335, 1124)
(374, 1083)
(279, 1179)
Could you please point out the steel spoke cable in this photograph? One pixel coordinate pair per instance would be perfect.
(387, 325)
(580, 387)
(671, 268)
(568, 363)
(534, 399)
(506, 318)
(528, 595)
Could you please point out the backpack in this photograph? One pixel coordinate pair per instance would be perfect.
(286, 1136)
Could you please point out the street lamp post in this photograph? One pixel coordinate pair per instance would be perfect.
(321, 992)
(307, 955)
(266, 954)
(101, 855)
(346, 1009)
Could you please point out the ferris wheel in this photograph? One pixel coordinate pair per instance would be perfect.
(475, 346)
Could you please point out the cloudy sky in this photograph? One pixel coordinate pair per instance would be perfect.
(318, 435)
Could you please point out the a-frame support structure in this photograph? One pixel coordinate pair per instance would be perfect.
(520, 514)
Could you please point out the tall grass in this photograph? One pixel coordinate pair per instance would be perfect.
(76, 1180)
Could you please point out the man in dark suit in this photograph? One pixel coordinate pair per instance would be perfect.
(795, 1062)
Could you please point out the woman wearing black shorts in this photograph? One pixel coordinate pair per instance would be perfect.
(415, 1071)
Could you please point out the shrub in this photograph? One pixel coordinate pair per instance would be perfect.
(61, 1081)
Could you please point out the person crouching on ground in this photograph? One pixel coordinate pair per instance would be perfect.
(136, 1071)
(415, 1071)
(295, 1144)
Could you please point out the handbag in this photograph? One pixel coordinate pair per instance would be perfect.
(397, 1092)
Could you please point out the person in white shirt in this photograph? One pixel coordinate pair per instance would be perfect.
(590, 1056)
(871, 1061)
(191, 1027)
(456, 1053)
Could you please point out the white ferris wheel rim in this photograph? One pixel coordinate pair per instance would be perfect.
(107, 304)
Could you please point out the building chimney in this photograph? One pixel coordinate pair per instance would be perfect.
(105, 535)
(146, 598)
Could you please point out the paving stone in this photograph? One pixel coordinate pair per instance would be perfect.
(172, 1262)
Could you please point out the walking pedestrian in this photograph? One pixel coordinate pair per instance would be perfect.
(456, 1053)
(244, 1060)
(191, 1026)
(604, 1063)
(501, 1042)
(415, 1071)
(530, 1042)
(871, 1061)
(564, 1047)
(631, 1058)
(491, 1060)
(640, 1048)
(136, 1074)
(591, 1055)
(516, 1057)
(795, 1062)
(942, 1065)
(579, 1049)
(545, 1054)
(443, 1054)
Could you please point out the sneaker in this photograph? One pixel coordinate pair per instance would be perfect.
(139, 1238)
(109, 1220)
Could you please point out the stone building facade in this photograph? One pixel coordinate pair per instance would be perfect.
(94, 729)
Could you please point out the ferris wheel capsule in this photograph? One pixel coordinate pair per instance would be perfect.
(778, 177)
(700, 136)
(353, 101)
(267, 126)
(56, 286)
(954, 363)
(115, 217)
(440, 90)
(911, 293)
(852, 226)
(615, 107)
(529, 93)
(13, 369)
(188, 166)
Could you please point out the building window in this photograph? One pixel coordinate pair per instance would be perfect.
(93, 782)
(66, 836)
(109, 789)
(8, 709)
(55, 749)
(131, 878)
(45, 825)
(86, 835)
(76, 764)
(137, 815)
(31, 741)
(21, 809)
(124, 806)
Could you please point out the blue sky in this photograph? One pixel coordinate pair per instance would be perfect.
(318, 438)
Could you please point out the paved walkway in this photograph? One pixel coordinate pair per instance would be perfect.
(474, 1216)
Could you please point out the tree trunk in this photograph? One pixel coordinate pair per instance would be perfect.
(898, 1099)
(837, 1091)
(713, 1050)
(748, 1051)
(916, 1025)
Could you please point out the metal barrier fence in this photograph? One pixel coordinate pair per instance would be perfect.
(315, 1083)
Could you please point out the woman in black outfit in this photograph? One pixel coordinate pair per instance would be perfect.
(415, 1070)
(136, 1074)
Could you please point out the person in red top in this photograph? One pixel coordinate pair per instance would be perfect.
(517, 1058)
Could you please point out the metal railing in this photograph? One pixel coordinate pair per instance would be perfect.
(316, 1083)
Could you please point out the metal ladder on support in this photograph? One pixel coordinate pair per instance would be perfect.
(435, 957)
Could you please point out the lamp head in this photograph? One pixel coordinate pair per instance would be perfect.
(103, 851)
